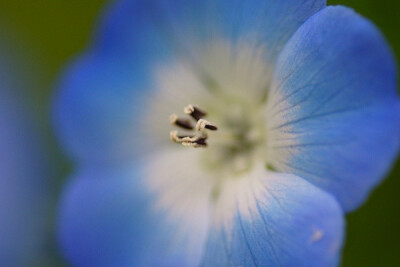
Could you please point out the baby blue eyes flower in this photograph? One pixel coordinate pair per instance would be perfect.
(303, 100)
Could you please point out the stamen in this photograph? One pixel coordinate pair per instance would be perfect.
(204, 124)
(188, 140)
(198, 140)
(175, 137)
(195, 112)
(183, 123)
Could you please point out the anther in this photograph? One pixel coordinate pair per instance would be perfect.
(183, 123)
(195, 112)
(204, 124)
(198, 141)
(174, 136)
(188, 140)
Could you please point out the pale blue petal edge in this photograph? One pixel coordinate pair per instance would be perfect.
(107, 217)
(297, 224)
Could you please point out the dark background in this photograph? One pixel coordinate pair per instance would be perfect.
(49, 33)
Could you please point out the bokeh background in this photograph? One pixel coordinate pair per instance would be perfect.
(45, 35)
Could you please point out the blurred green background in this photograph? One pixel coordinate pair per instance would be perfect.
(51, 33)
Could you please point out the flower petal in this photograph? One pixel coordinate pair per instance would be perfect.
(333, 111)
(96, 111)
(265, 22)
(278, 220)
(101, 96)
(180, 22)
(108, 218)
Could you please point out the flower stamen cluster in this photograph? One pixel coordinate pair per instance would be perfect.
(201, 126)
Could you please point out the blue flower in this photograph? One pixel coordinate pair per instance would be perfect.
(284, 116)
(24, 184)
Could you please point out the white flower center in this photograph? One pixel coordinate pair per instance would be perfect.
(235, 147)
(231, 85)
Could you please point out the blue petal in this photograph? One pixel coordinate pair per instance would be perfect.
(107, 218)
(101, 95)
(334, 113)
(96, 109)
(265, 22)
(293, 223)
(178, 22)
